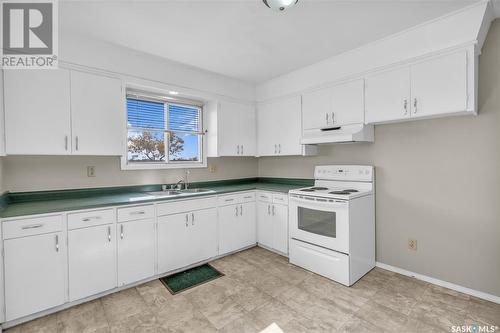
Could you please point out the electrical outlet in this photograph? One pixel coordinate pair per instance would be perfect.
(412, 244)
(212, 168)
(91, 171)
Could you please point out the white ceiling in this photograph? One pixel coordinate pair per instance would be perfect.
(243, 38)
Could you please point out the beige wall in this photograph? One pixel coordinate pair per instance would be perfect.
(437, 181)
(35, 173)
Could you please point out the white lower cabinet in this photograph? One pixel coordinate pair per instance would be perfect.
(272, 221)
(92, 260)
(237, 227)
(35, 274)
(136, 250)
(186, 238)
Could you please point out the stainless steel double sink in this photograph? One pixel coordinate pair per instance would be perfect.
(168, 193)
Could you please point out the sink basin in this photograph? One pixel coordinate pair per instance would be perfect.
(195, 190)
(165, 193)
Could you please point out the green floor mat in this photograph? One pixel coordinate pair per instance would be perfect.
(190, 278)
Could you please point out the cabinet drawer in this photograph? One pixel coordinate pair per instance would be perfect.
(265, 196)
(31, 226)
(89, 219)
(135, 213)
(229, 199)
(280, 198)
(175, 207)
(248, 197)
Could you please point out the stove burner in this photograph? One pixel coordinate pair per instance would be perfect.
(351, 190)
(319, 188)
(307, 190)
(341, 192)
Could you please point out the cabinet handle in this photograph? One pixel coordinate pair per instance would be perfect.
(405, 105)
(228, 200)
(87, 219)
(192, 218)
(241, 149)
(57, 243)
(275, 148)
(76, 142)
(248, 197)
(32, 226)
(333, 117)
(237, 149)
(268, 209)
(415, 106)
(139, 212)
(187, 220)
(236, 211)
(66, 142)
(241, 210)
(274, 211)
(279, 148)
(121, 231)
(327, 118)
(109, 234)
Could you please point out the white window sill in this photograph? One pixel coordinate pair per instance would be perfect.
(158, 166)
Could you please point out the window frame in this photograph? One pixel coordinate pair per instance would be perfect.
(167, 164)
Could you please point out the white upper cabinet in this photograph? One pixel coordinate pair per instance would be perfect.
(37, 112)
(236, 129)
(63, 112)
(430, 88)
(342, 104)
(279, 128)
(97, 117)
(387, 96)
(439, 86)
(348, 103)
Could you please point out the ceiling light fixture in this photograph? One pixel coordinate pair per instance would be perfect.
(173, 92)
(280, 5)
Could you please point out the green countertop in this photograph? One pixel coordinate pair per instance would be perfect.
(30, 203)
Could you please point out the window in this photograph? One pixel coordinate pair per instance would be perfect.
(161, 132)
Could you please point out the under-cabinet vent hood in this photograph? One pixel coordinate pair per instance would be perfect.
(340, 134)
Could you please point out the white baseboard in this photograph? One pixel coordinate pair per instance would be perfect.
(449, 285)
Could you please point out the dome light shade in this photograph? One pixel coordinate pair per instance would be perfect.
(280, 5)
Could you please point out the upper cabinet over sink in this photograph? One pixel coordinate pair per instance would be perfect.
(63, 112)
(442, 85)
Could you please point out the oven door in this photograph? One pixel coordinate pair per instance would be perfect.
(319, 221)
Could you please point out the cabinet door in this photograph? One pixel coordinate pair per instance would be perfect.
(35, 274)
(236, 129)
(348, 104)
(136, 251)
(229, 233)
(237, 227)
(174, 243)
(266, 130)
(37, 112)
(203, 232)
(387, 96)
(280, 228)
(97, 114)
(248, 224)
(265, 227)
(287, 125)
(317, 109)
(439, 86)
(92, 260)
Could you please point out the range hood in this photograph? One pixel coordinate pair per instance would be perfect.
(340, 134)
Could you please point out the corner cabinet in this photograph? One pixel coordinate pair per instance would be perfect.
(232, 129)
(441, 85)
(75, 113)
(279, 128)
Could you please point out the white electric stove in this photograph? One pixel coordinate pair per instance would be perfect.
(332, 224)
